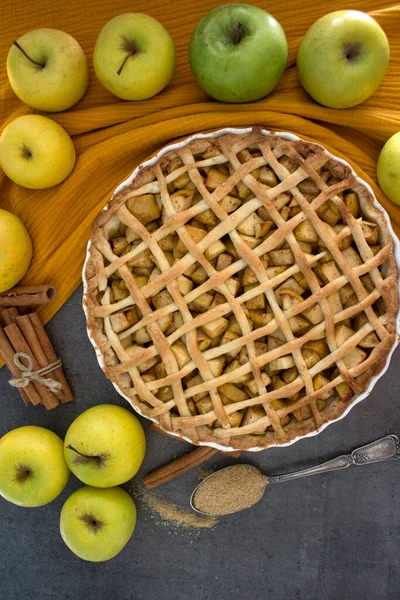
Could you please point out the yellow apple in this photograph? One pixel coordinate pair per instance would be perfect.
(96, 524)
(388, 169)
(32, 467)
(342, 58)
(134, 56)
(36, 152)
(105, 446)
(15, 250)
(48, 70)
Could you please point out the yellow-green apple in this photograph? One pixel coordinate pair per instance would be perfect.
(342, 59)
(15, 250)
(48, 70)
(105, 446)
(238, 53)
(36, 152)
(134, 56)
(388, 169)
(96, 524)
(32, 467)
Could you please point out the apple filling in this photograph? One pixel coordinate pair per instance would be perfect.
(242, 289)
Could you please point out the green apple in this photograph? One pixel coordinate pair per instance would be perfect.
(388, 169)
(48, 70)
(36, 152)
(134, 56)
(96, 524)
(105, 446)
(32, 467)
(342, 59)
(238, 53)
(15, 250)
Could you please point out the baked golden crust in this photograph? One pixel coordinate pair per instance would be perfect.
(154, 367)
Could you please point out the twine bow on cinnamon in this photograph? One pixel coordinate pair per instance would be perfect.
(29, 375)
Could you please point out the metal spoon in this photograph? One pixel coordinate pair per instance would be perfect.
(386, 448)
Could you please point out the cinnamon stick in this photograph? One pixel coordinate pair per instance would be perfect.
(28, 295)
(25, 324)
(50, 355)
(20, 345)
(180, 465)
(8, 353)
(8, 315)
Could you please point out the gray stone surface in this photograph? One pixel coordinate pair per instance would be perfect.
(329, 537)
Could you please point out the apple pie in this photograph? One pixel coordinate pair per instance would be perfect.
(241, 289)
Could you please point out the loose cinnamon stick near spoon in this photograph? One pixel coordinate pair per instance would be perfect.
(179, 466)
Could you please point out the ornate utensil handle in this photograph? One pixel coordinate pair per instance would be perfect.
(386, 448)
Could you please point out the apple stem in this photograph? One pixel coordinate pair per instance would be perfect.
(130, 47)
(123, 63)
(83, 459)
(26, 55)
(237, 34)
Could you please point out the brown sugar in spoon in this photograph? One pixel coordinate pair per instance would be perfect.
(238, 487)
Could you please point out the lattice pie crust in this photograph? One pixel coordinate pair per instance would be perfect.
(242, 290)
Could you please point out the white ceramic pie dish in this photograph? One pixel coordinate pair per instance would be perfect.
(396, 245)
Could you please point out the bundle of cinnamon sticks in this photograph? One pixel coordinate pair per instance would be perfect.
(27, 349)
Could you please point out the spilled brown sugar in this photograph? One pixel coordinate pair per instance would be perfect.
(170, 514)
(230, 490)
